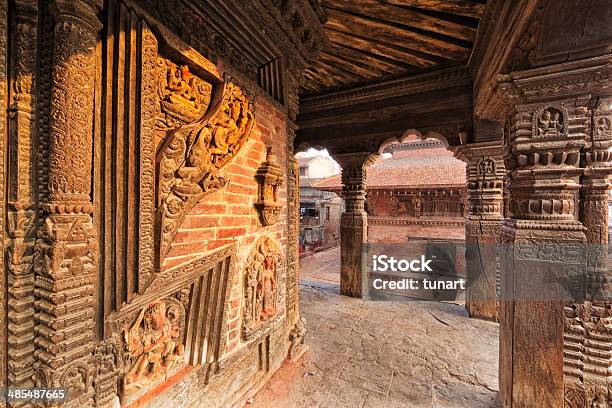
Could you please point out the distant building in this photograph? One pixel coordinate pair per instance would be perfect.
(319, 210)
(419, 192)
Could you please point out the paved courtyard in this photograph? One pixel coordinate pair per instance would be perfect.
(383, 354)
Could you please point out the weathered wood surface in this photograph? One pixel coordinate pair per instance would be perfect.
(391, 38)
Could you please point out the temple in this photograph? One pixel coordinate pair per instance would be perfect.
(149, 188)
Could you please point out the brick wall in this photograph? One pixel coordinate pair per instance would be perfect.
(229, 215)
(383, 233)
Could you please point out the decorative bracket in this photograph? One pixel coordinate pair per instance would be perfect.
(269, 177)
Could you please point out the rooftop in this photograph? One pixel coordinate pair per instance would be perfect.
(413, 167)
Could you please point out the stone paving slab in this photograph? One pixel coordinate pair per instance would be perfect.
(386, 355)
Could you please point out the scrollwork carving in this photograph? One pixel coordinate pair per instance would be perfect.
(190, 159)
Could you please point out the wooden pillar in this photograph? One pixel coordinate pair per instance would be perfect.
(21, 195)
(543, 241)
(588, 339)
(354, 220)
(485, 171)
(66, 248)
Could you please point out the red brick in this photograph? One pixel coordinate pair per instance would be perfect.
(209, 208)
(198, 221)
(242, 209)
(187, 248)
(219, 242)
(243, 170)
(240, 189)
(235, 303)
(234, 221)
(185, 235)
(230, 232)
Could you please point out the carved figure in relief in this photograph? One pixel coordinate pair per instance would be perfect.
(194, 152)
(266, 286)
(550, 122)
(297, 336)
(184, 97)
(153, 343)
(261, 285)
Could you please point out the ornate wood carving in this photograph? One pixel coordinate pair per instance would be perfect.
(293, 229)
(154, 343)
(297, 336)
(66, 249)
(180, 319)
(269, 178)
(261, 285)
(193, 154)
(22, 202)
(3, 145)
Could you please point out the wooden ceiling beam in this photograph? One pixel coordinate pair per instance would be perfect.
(405, 16)
(365, 60)
(389, 52)
(340, 63)
(334, 77)
(330, 66)
(368, 28)
(458, 7)
(324, 81)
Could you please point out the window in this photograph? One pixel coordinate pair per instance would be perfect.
(327, 211)
(302, 171)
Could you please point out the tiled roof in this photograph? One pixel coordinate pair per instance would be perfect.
(421, 168)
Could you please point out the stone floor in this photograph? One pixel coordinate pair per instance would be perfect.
(383, 354)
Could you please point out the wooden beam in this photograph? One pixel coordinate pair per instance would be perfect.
(459, 7)
(341, 63)
(368, 28)
(405, 16)
(335, 79)
(337, 70)
(367, 59)
(324, 81)
(391, 53)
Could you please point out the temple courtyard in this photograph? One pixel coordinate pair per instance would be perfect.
(367, 354)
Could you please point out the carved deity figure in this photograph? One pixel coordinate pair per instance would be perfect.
(152, 343)
(266, 287)
(184, 97)
(261, 285)
(550, 122)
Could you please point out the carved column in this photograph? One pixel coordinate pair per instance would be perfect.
(588, 338)
(485, 171)
(544, 241)
(354, 221)
(22, 205)
(295, 323)
(66, 248)
(3, 144)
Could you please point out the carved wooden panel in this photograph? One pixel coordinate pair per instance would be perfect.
(3, 142)
(261, 287)
(166, 124)
(124, 152)
(180, 320)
